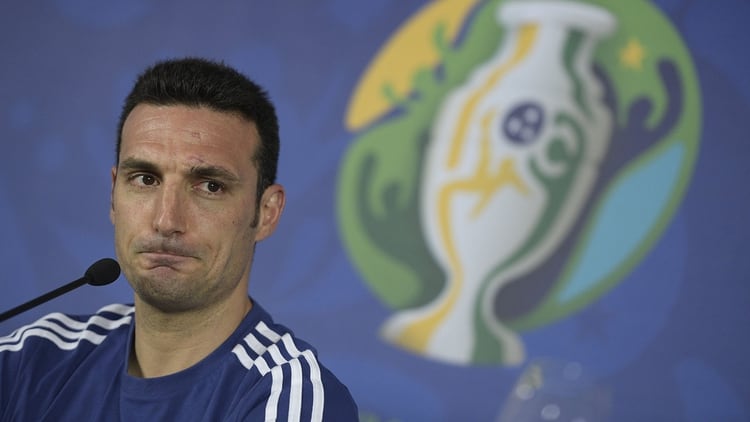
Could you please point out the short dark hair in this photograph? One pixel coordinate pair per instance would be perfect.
(199, 82)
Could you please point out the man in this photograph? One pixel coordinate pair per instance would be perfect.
(192, 192)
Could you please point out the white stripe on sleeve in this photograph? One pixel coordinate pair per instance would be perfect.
(277, 375)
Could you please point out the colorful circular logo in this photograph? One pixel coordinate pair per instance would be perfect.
(513, 161)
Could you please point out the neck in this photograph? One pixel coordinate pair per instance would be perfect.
(166, 343)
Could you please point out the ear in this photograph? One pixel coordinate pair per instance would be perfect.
(271, 206)
(112, 195)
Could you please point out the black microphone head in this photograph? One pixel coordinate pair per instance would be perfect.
(103, 271)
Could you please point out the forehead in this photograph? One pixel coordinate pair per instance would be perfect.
(180, 129)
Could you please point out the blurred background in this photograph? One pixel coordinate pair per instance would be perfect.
(604, 278)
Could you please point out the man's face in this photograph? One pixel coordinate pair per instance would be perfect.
(183, 202)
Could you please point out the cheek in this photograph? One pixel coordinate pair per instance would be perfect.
(240, 227)
(244, 229)
(121, 224)
(128, 216)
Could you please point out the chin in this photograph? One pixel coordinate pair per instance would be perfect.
(168, 302)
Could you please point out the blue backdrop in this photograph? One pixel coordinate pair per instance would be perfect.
(666, 343)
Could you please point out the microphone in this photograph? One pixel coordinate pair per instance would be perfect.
(101, 272)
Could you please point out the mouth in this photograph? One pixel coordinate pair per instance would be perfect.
(153, 253)
(159, 258)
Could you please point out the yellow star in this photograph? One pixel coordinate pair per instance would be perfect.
(633, 54)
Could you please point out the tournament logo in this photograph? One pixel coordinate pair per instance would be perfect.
(512, 161)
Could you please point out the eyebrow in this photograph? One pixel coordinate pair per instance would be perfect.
(137, 164)
(214, 172)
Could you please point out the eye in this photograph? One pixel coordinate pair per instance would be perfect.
(211, 186)
(147, 179)
(143, 179)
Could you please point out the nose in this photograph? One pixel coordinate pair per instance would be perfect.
(169, 215)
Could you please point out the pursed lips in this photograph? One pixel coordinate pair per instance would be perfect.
(157, 256)
(164, 259)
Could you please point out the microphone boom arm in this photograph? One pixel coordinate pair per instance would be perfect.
(101, 272)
